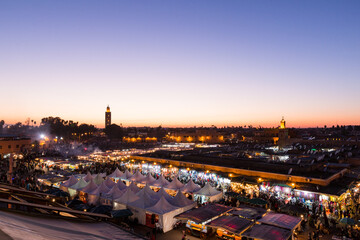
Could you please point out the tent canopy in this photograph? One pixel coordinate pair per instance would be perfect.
(281, 220)
(127, 197)
(145, 200)
(163, 193)
(248, 212)
(90, 187)
(98, 179)
(180, 200)
(80, 184)
(160, 182)
(121, 185)
(267, 232)
(208, 191)
(230, 223)
(114, 193)
(70, 182)
(88, 177)
(204, 213)
(126, 175)
(102, 189)
(175, 184)
(162, 207)
(190, 187)
(149, 192)
(148, 179)
(109, 183)
(116, 174)
(137, 177)
(134, 187)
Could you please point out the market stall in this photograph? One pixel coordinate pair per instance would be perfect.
(230, 226)
(208, 194)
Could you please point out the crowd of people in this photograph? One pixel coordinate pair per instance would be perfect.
(318, 219)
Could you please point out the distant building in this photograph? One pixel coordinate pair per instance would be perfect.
(197, 136)
(12, 144)
(107, 117)
(283, 134)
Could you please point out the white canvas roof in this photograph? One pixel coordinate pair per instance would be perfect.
(162, 207)
(121, 185)
(114, 193)
(137, 177)
(180, 200)
(71, 181)
(109, 183)
(126, 175)
(91, 186)
(98, 179)
(175, 184)
(127, 197)
(88, 177)
(148, 179)
(144, 201)
(190, 187)
(116, 174)
(148, 191)
(163, 193)
(161, 182)
(102, 189)
(134, 187)
(80, 184)
(208, 190)
(101, 175)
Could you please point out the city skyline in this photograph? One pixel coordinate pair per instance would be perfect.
(181, 64)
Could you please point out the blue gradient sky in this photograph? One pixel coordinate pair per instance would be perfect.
(181, 62)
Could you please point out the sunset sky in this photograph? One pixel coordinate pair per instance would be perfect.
(181, 63)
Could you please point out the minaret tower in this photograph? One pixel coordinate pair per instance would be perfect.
(107, 117)
(282, 123)
(283, 134)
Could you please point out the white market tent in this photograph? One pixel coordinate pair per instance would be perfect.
(109, 183)
(190, 187)
(102, 189)
(162, 193)
(77, 186)
(116, 174)
(134, 187)
(182, 202)
(175, 185)
(108, 198)
(148, 179)
(70, 182)
(98, 179)
(101, 175)
(127, 197)
(160, 182)
(137, 177)
(166, 212)
(88, 177)
(148, 191)
(126, 175)
(209, 192)
(91, 186)
(114, 193)
(121, 185)
(138, 207)
(94, 196)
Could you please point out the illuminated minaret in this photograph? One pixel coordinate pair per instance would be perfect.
(107, 117)
(282, 123)
(283, 134)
